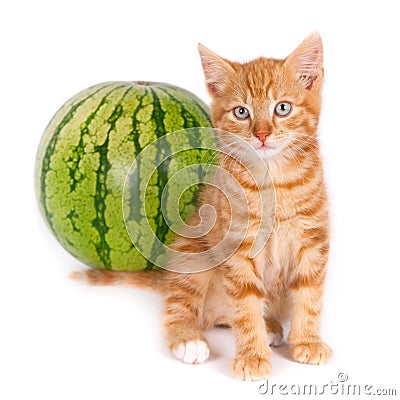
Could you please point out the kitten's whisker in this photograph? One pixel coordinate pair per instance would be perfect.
(306, 144)
(312, 141)
(305, 153)
(297, 134)
(228, 155)
(310, 144)
(302, 134)
(299, 148)
(295, 158)
(211, 159)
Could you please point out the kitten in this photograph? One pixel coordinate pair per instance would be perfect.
(274, 107)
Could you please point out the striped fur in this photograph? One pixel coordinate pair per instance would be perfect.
(286, 279)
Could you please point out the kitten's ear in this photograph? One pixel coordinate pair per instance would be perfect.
(216, 70)
(307, 60)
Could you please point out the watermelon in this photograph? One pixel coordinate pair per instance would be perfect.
(91, 150)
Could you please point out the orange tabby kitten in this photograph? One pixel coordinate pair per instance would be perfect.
(274, 106)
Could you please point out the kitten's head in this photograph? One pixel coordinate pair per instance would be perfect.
(273, 105)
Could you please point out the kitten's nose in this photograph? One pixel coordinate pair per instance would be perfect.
(262, 136)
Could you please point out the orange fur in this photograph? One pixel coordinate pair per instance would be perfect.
(254, 295)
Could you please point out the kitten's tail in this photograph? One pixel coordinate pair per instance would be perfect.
(143, 279)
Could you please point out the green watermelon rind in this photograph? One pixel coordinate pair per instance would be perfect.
(85, 154)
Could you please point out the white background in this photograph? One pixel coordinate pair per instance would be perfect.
(62, 340)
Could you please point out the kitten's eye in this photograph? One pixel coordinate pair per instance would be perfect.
(241, 112)
(283, 109)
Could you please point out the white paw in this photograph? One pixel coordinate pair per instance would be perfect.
(275, 339)
(194, 352)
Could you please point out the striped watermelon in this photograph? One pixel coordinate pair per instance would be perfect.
(85, 155)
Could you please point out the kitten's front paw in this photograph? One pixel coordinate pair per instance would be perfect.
(192, 352)
(275, 339)
(311, 353)
(250, 369)
(274, 332)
